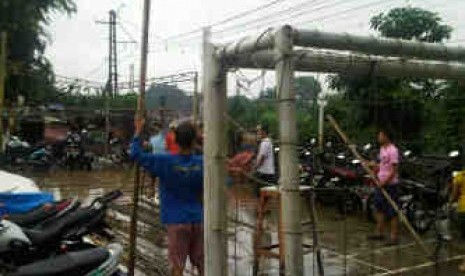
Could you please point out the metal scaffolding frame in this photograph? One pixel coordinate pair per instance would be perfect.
(275, 49)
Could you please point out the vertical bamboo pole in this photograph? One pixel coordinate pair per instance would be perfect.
(215, 207)
(195, 102)
(289, 181)
(3, 57)
(321, 120)
(140, 113)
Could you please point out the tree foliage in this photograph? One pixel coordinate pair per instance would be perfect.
(403, 104)
(25, 22)
(263, 110)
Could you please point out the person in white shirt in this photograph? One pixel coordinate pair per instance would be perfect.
(265, 166)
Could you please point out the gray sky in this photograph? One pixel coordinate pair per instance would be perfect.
(80, 46)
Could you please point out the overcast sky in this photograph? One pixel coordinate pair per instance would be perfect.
(80, 47)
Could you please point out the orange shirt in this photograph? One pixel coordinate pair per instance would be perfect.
(170, 142)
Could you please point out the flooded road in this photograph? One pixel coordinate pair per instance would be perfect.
(343, 242)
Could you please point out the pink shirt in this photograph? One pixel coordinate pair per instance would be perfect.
(389, 156)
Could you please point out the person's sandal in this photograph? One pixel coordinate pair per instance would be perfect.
(375, 237)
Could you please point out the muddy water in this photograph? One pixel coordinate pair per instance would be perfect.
(342, 239)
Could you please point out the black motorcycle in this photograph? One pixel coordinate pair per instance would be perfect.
(20, 246)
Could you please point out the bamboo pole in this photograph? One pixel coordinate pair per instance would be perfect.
(346, 42)
(330, 62)
(321, 119)
(195, 102)
(140, 113)
(263, 41)
(215, 200)
(3, 73)
(402, 217)
(289, 178)
(378, 46)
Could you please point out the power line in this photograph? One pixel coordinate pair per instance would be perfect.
(227, 20)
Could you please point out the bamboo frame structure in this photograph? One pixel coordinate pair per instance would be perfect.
(274, 49)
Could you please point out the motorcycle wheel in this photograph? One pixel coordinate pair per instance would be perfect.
(419, 217)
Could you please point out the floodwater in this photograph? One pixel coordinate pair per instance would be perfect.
(342, 239)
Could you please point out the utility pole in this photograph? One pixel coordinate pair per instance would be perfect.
(140, 111)
(3, 59)
(113, 54)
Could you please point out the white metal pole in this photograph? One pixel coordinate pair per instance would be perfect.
(289, 181)
(215, 207)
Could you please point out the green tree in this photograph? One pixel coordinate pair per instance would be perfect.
(396, 102)
(25, 21)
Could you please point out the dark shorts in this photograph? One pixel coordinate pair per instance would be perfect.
(270, 179)
(381, 203)
(185, 240)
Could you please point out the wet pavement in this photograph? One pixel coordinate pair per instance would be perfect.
(343, 242)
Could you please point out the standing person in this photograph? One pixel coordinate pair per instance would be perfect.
(241, 163)
(181, 190)
(458, 195)
(170, 140)
(265, 166)
(388, 177)
(157, 140)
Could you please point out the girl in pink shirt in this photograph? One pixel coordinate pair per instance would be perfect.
(388, 178)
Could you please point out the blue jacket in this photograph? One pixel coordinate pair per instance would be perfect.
(181, 183)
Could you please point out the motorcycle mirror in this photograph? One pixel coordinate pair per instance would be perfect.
(454, 153)
(356, 161)
(407, 153)
(367, 147)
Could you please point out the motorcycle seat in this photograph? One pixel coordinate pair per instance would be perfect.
(54, 231)
(39, 214)
(70, 264)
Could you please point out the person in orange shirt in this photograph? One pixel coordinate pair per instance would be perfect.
(170, 140)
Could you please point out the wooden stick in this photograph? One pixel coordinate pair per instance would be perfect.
(140, 113)
(402, 217)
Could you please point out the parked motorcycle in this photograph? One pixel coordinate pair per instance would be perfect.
(44, 214)
(76, 156)
(20, 246)
(93, 261)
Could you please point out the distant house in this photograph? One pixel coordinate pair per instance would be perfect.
(166, 103)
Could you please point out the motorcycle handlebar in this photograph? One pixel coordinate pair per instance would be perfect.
(105, 199)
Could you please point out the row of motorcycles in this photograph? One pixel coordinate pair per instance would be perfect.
(53, 239)
(339, 180)
(72, 153)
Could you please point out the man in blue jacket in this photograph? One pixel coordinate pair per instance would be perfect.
(181, 192)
